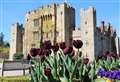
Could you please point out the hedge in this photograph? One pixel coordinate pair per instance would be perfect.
(15, 79)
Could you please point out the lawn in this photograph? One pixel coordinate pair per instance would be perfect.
(15, 79)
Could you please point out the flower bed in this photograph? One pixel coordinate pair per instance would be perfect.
(58, 63)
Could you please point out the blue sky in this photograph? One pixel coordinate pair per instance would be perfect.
(12, 11)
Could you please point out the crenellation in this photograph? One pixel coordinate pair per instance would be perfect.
(56, 22)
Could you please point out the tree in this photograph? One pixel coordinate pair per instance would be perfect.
(1, 39)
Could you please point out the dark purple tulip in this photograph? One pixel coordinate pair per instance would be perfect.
(73, 53)
(86, 60)
(28, 57)
(41, 52)
(68, 50)
(99, 57)
(55, 47)
(62, 45)
(33, 52)
(47, 71)
(47, 44)
(77, 43)
(107, 52)
(114, 55)
(47, 52)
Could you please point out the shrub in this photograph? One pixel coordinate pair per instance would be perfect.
(18, 56)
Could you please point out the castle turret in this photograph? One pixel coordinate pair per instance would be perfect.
(102, 26)
(16, 44)
(52, 22)
(88, 25)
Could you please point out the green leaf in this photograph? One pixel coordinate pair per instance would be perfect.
(64, 79)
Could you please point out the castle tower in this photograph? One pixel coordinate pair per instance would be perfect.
(40, 25)
(65, 23)
(16, 39)
(51, 22)
(88, 25)
(117, 45)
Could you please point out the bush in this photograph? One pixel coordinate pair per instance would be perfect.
(18, 56)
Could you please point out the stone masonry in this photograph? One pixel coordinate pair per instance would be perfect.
(57, 23)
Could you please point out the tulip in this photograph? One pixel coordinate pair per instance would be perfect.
(77, 43)
(68, 50)
(28, 57)
(47, 72)
(62, 45)
(33, 52)
(55, 47)
(47, 52)
(40, 52)
(47, 44)
(85, 61)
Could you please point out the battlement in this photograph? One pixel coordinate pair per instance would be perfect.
(47, 7)
(88, 9)
(106, 28)
(17, 25)
(67, 5)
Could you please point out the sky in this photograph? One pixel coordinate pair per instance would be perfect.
(12, 11)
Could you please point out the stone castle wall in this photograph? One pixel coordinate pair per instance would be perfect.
(57, 23)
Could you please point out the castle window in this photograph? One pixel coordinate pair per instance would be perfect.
(35, 35)
(86, 32)
(57, 33)
(86, 42)
(46, 35)
(36, 22)
(85, 22)
(27, 19)
(33, 45)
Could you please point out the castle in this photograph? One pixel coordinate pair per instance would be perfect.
(57, 23)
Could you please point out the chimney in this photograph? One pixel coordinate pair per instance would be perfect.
(109, 28)
(114, 33)
(102, 25)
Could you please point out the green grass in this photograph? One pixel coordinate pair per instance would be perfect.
(4, 50)
(15, 79)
